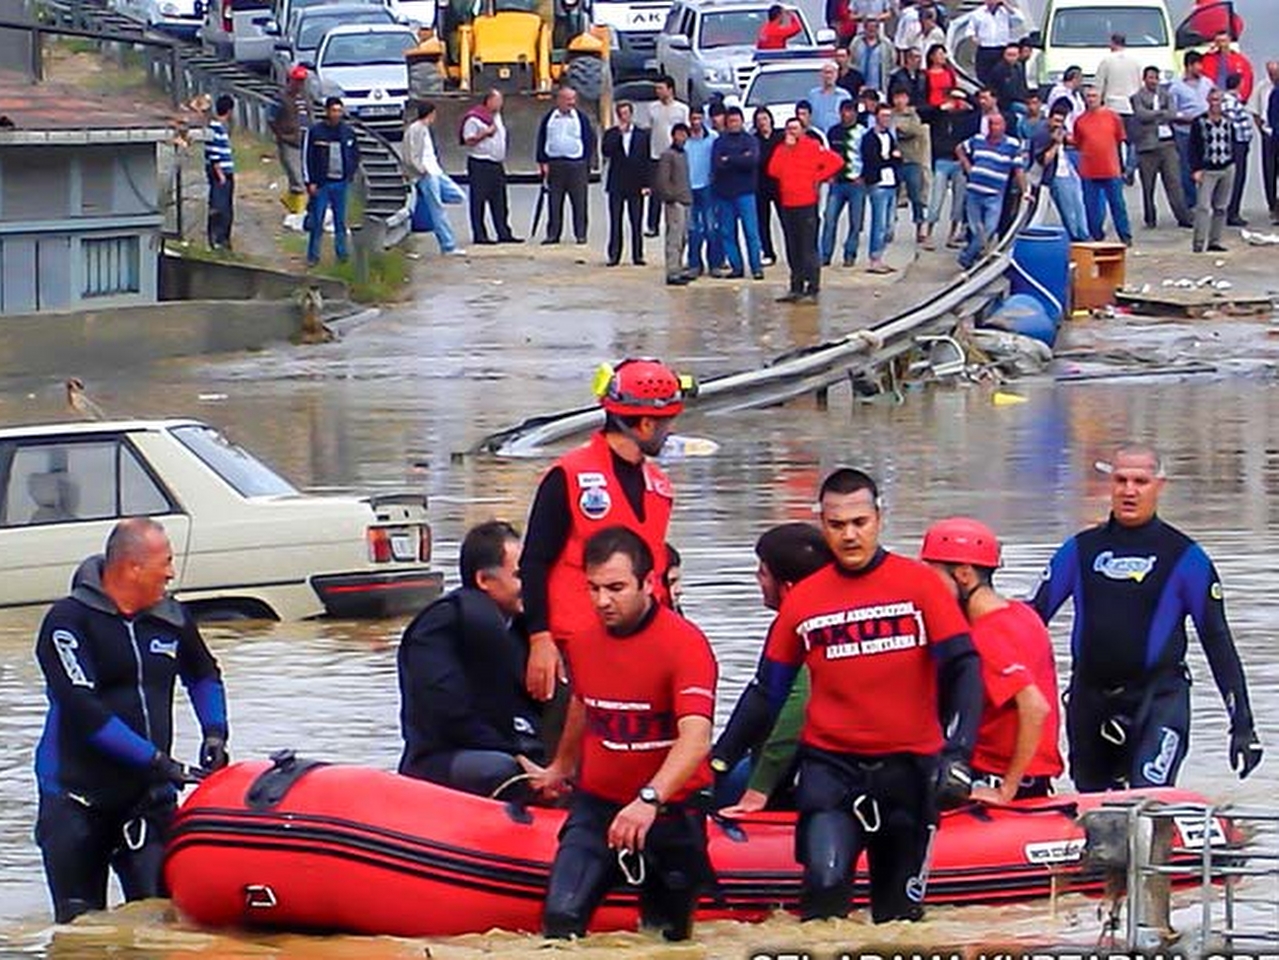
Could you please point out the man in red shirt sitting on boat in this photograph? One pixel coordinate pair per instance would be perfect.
(1017, 754)
(882, 639)
(468, 722)
(608, 481)
(636, 743)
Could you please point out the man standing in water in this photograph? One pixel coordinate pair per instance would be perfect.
(110, 653)
(1134, 579)
(637, 740)
(607, 482)
(885, 646)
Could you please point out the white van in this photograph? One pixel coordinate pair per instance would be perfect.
(1077, 33)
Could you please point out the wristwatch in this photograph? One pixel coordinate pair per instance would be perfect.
(648, 794)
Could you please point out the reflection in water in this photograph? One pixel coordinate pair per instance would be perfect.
(359, 414)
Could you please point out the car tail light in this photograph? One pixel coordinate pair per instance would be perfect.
(228, 16)
(424, 543)
(379, 544)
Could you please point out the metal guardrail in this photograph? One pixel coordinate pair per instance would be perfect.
(1229, 854)
(182, 67)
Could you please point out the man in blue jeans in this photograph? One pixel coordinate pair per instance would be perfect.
(702, 234)
(1048, 149)
(989, 162)
(734, 179)
(881, 170)
(330, 158)
(847, 189)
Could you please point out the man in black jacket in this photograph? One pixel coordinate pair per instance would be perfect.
(467, 720)
(330, 159)
(629, 179)
(110, 653)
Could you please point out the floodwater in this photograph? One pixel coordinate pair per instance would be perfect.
(389, 405)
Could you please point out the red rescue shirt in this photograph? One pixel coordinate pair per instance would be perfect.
(596, 501)
(1015, 652)
(636, 689)
(774, 34)
(799, 170)
(865, 637)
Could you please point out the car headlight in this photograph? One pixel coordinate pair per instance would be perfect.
(715, 74)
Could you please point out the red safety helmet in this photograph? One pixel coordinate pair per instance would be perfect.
(298, 72)
(643, 388)
(961, 540)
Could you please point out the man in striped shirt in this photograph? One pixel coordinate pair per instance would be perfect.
(988, 161)
(219, 165)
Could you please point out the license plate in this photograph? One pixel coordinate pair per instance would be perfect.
(403, 545)
(504, 73)
(379, 111)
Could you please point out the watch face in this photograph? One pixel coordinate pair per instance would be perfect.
(648, 795)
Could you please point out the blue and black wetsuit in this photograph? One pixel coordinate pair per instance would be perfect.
(109, 679)
(1128, 712)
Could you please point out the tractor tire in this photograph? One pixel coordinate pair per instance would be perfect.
(586, 76)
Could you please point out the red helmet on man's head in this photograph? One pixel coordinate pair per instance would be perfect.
(642, 388)
(961, 540)
(298, 72)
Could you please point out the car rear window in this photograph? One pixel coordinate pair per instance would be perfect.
(1093, 26)
(246, 474)
(782, 87)
(366, 49)
(314, 27)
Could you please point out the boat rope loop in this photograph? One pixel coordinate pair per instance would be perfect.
(135, 833)
(1114, 732)
(509, 782)
(634, 875)
(869, 817)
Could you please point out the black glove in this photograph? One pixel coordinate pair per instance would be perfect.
(164, 769)
(1245, 750)
(213, 755)
(954, 782)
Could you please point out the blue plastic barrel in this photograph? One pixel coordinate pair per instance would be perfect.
(1041, 268)
(1024, 314)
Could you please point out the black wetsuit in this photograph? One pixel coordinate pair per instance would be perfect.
(1128, 706)
(464, 711)
(109, 680)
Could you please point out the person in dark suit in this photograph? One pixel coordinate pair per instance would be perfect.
(627, 183)
(565, 146)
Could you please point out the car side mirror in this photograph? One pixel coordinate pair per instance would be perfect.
(680, 42)
(826, 37)
(271, 28)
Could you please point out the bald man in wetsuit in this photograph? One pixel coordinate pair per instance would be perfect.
(1134, 579)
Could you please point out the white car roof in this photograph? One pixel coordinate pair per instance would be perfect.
(347, 29)
(93, 426)
(1064, 4)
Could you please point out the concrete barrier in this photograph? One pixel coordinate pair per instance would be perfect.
(184, 278)
(78, 343)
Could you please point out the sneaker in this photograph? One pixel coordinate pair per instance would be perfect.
(757, 275)
(769, 261)
(455, 252)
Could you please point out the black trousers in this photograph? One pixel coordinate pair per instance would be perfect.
(675, 863)
(1132, 736)
(1270, 171)
(80, 844)
(765, 203)
(631, 207)
(488, 189)
(985, 61)
(799, 226)
(221, 208)
(882, 805)
(654, 221)
(1162, 162)
(567, 178)
(1241, 178)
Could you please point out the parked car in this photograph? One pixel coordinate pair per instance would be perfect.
(309, 25)
(246, 543)
(708, 46)
(364, 65)
(181, 18)
(235, 30)
(779, 86)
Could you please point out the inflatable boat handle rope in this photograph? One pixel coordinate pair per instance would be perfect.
(509, 782)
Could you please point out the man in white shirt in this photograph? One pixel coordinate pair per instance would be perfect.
(421, 159)
(565, 146)
(484, 136)
(1068, 89)
(663, 114)
(1264, 107)
(991, 28)
(1118, 78)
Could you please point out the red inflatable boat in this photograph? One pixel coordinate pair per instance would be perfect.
(302, 846)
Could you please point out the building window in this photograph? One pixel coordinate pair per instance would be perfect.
(112, 266)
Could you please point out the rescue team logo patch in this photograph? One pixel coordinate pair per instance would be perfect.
(1112, 567)
(165, 648)
(865, 631)
(629, 726)
(594, 502)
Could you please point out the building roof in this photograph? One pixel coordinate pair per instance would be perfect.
(57, 113)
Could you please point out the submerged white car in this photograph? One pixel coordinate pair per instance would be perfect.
(246, 543)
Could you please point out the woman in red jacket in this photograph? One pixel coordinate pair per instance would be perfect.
(939, 77)
(800, 165)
